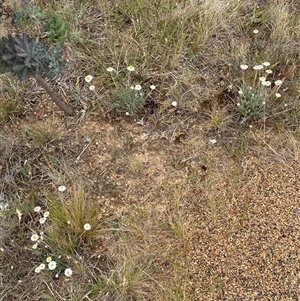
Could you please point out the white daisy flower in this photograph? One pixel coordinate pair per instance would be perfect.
(174, 103)
(244, 67)
(137, 87)
(37, 270)
(42, 220)
(152, 87)
(68, 272)
(278, 82)
(266, 83)
(278, 95)
(34, 237)
(52, 265)
(42, 266)
(62, 188)
(258, 67)
(88, 78)
(37, 209)
(130, 68)
(87, 227)
(91, 87)
(110, 69)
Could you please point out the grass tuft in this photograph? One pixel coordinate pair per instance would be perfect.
(69, 216)
(43, 134)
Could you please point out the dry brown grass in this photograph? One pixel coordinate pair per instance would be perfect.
(153, 183)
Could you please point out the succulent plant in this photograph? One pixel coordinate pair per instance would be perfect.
(57, 27)
(23, 56)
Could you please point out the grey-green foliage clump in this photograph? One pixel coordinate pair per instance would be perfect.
(27, 13)
(23, 56)
(252, 103)
(128, 100)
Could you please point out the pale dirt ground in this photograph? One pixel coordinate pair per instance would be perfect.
(256, 258)
(240, 217)
(241, 221)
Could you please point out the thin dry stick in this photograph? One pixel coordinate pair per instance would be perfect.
(53, 95)
(78, 157)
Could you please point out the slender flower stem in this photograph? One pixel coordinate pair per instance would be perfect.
(254, 80)
(53, 95)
